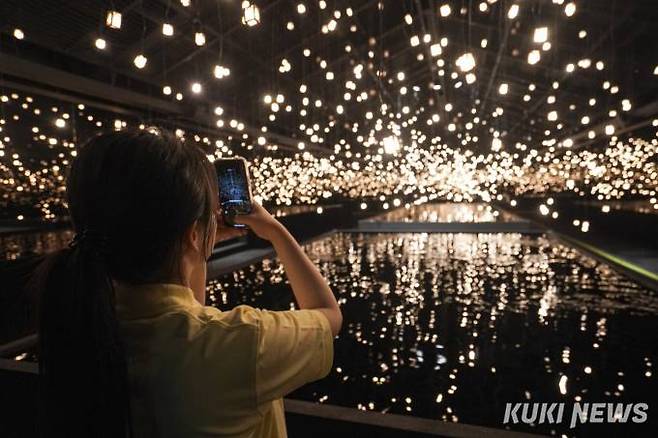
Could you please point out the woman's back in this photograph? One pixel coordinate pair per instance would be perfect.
(196, 371)
(126, 347)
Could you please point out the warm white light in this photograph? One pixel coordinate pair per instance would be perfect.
(391, 144)
(503, 88)
(534, 57)
(540, 35)
(435, 49)
(18, 34)
(167, 29)
(196, 88)
(60, 123)
(408, 19)
(301, 8)
(113, 19)
(445, 10)
(100, 43)
(552, 116)
(609, 129)
(220, 72)
(570, 9)
(496, 144)
(140, 61)
(199, 38)
(414, 41)
(219, 110)
(466, 62)
(513, 12)
(166, 90)
(626, 105)
(251, 14)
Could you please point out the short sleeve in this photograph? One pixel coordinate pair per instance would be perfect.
(294, 347)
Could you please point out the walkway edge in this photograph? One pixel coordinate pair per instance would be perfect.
(403, 423)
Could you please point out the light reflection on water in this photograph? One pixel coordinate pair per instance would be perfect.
(453, 326)
(445, 212)
(15, 246)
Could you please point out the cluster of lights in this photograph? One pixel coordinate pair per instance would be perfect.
(388, 143)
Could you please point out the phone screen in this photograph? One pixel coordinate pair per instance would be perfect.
(234, 190)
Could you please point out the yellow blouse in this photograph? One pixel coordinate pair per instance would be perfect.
(196, 371)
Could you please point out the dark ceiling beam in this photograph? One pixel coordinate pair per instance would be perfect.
(39, 73)
(90, 89)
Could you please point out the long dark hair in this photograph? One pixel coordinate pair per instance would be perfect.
(131, 196)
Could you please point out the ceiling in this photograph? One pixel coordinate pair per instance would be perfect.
(618, 34)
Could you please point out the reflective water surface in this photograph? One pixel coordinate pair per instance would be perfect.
(19, 245)
(445, 212)
(453, 326)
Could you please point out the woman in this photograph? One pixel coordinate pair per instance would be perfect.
(127, 346)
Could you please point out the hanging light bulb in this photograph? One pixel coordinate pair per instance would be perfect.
(534, 57)
(113, 19)
(140, 61)
(540, 35)
(100, 43)
(570, 9)
(466, 62)
(196, 88)
(221, 72)
(391, 144)
(18, 34)
(199, 38)
(250, 14)
(167, 29)
(513, 12)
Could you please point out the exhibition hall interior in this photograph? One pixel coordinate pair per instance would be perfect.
(475, 180)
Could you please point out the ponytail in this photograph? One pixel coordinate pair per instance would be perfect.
(132, 195)
(83, 372)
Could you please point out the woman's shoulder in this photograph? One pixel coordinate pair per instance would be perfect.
(242, 316)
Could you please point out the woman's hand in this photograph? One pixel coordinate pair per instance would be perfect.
(260, 222)
(225, 232)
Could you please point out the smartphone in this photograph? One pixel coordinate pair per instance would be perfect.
(234, 188)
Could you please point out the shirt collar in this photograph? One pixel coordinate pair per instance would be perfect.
(147, 300)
